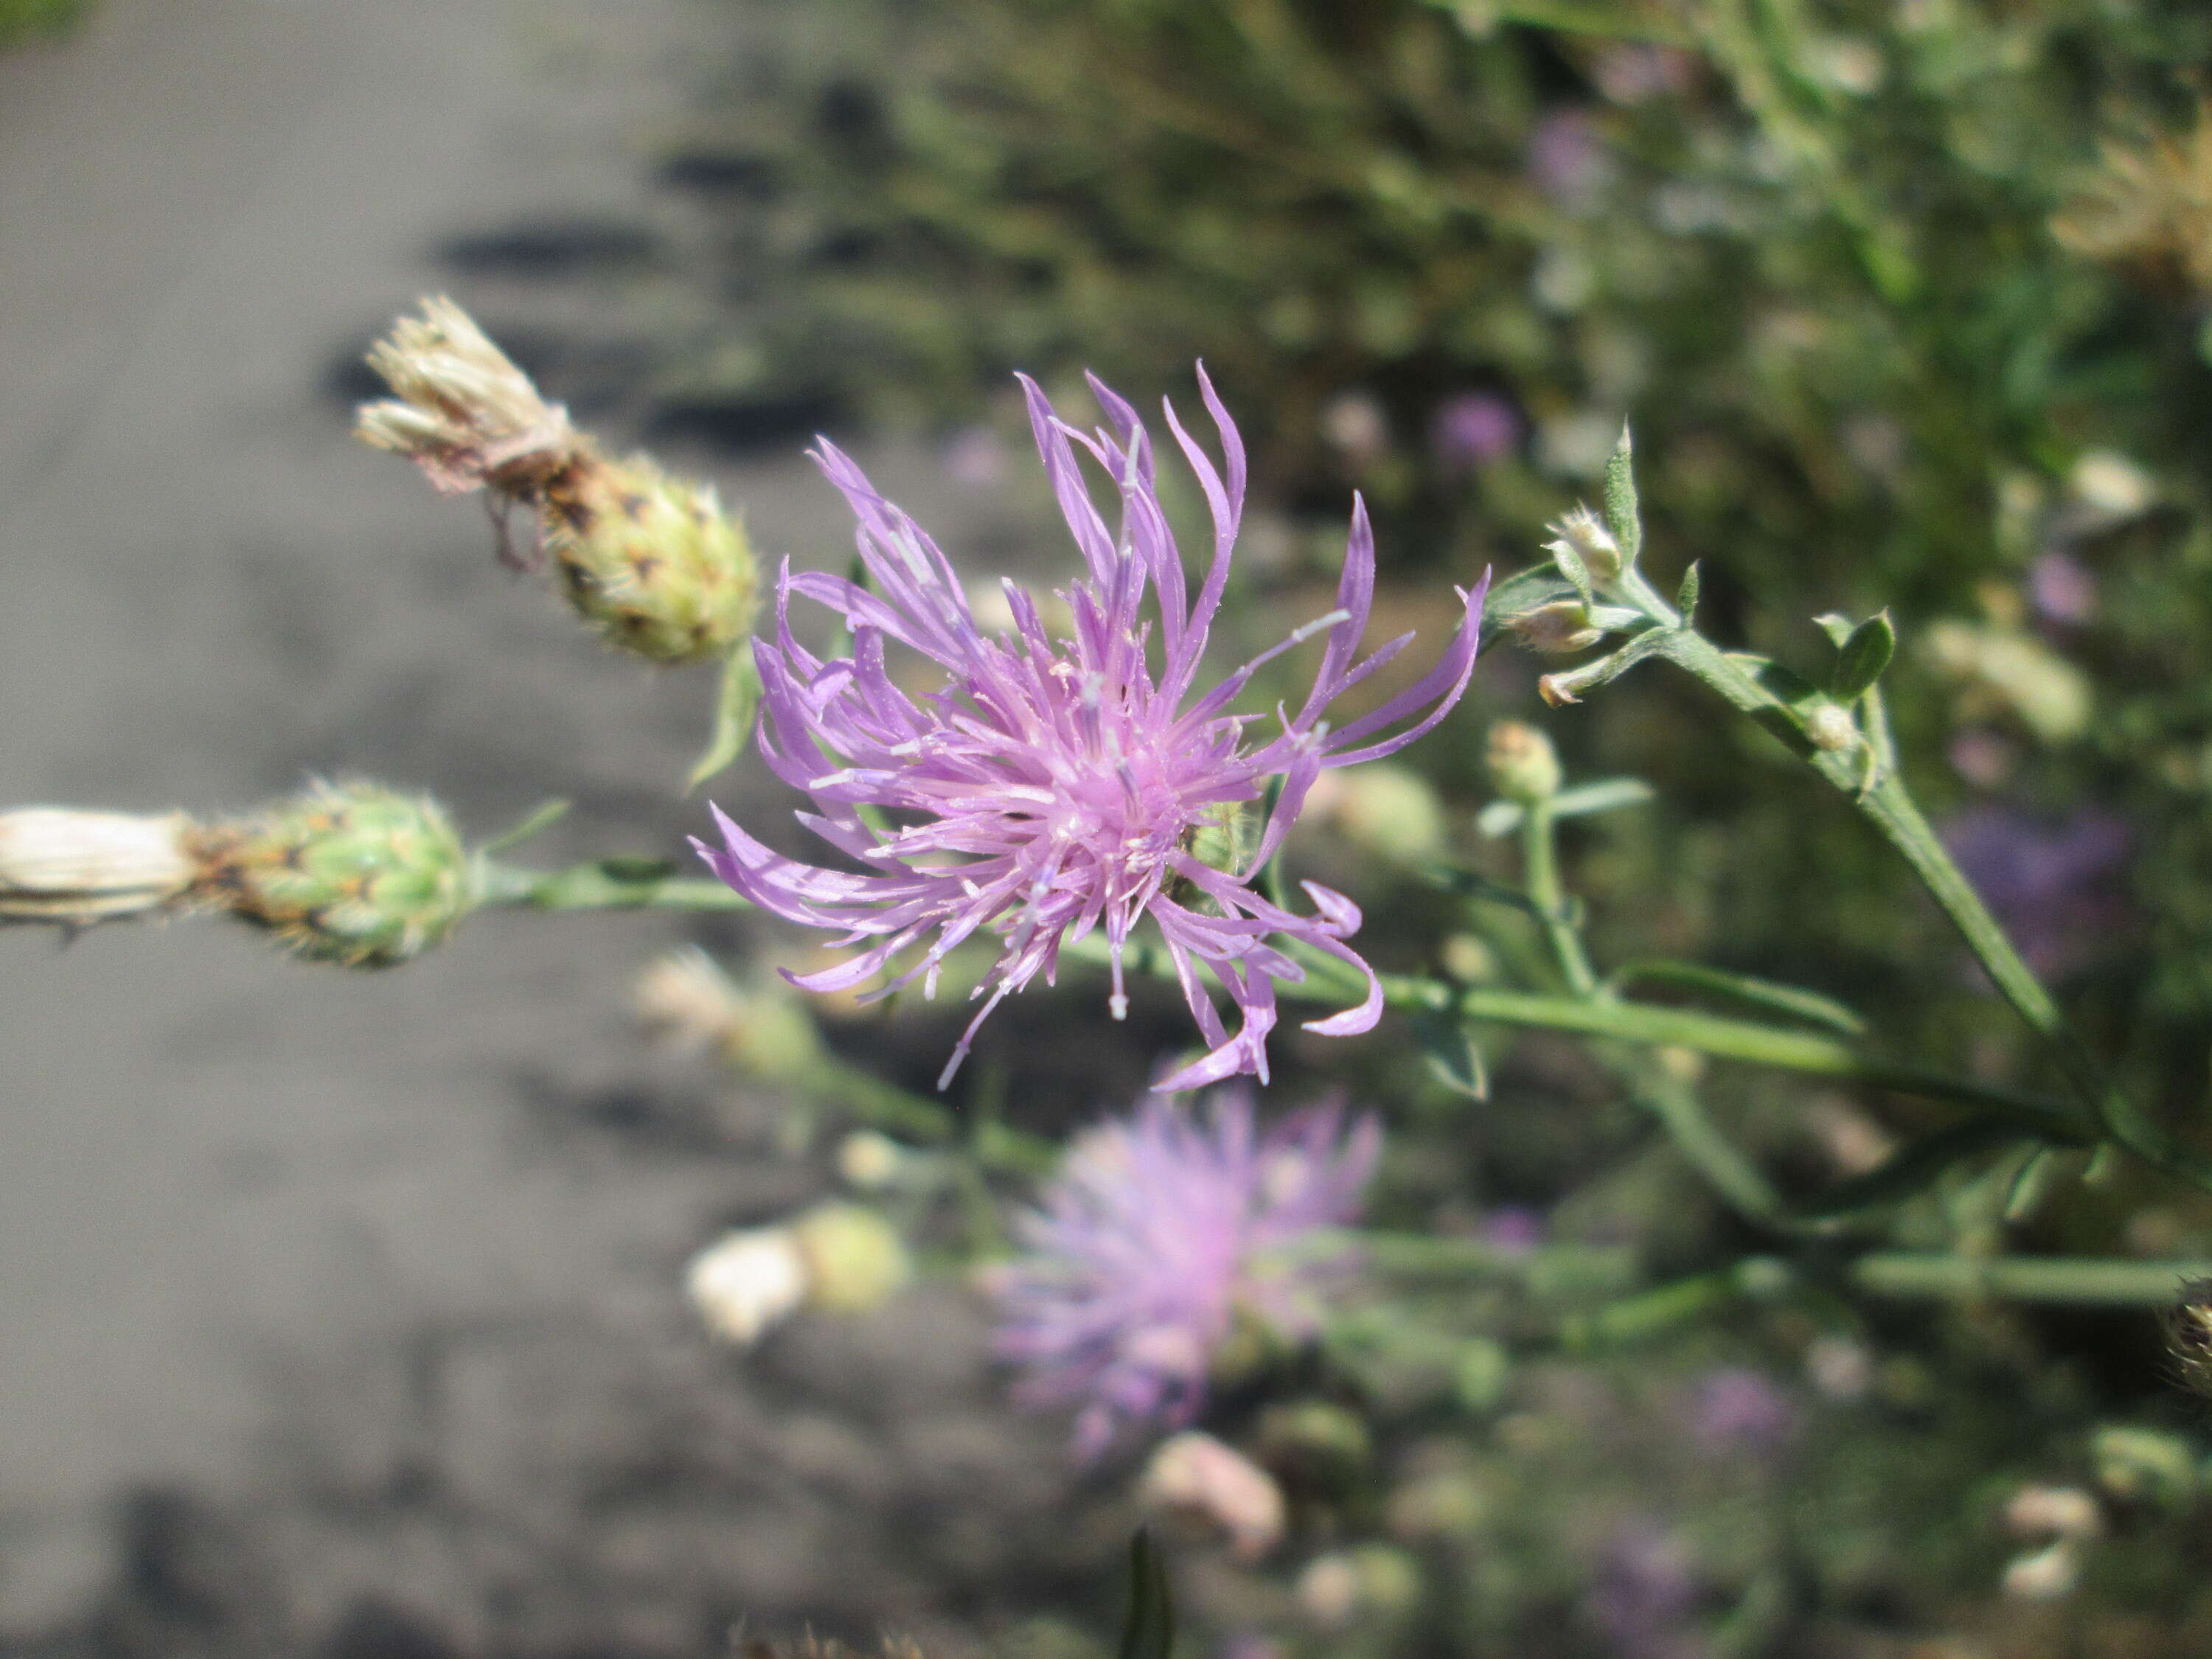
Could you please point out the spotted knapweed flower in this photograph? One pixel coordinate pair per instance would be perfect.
(1050, 786)
(1161, 1235)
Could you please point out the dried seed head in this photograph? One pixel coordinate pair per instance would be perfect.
(75, 868)
(461, 411)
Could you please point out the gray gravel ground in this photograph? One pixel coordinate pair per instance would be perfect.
(340, 1309)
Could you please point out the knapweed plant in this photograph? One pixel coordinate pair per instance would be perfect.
(1314, 1329)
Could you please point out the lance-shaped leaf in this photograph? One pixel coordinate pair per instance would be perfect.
(1449, 1049)
(1148, 1626)
(1502, 818)
(1863, 656)
(1621, 516)
(733, 715)
(1769, 996)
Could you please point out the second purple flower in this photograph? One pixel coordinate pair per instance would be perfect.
(1053, 787)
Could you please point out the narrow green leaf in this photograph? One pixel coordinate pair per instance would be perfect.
(1838, 628)
(1577, 573)
(1915, 1167)
(1148, 1628)
(541, 817)
(1620, 511)
(1686, 596)
(1451, 1050)
(733, 715)
(1605, 795)
(1468, 884)
(1766, 994)
(1863, 656)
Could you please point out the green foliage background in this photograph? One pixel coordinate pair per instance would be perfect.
(1828, 259)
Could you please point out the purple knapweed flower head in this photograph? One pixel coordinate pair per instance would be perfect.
(1050, 786)
(1160, 1234)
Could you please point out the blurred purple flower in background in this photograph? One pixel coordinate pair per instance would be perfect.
(1567, 161)
(1512, 1227)
(1160, 1231)
(1059, 787)
(1732, 1408)
(974, 457)
(2054, 885)
(1471, 429)
(2061, 589)
(1645, 1590)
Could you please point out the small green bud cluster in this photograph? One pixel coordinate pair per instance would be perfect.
(651, 561)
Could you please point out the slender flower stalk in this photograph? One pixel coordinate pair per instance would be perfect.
(1053, 787)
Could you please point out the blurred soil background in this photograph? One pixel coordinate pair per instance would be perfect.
(341, 1310)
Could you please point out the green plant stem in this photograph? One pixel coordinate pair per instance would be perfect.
(598, 886)
(1671, 1103)
(2075, 1281)
(608, 885)
(1890, 807)
(1540, 855)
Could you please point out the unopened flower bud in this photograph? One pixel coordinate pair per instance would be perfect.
(1555, 629)
(855, 1260)
(651, 561)
(1523, 765)
(60, 864)
(1582, 535)
(746, 1281)
(1382, 809)
(760, 1031)
(2045, 1574)
(2053, 1512)
(348, 873)
(1829, 726)
(1371, 1581)
(1314, 1443)
(2144, 1465)
(1195, 1481)
(870, 1161)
